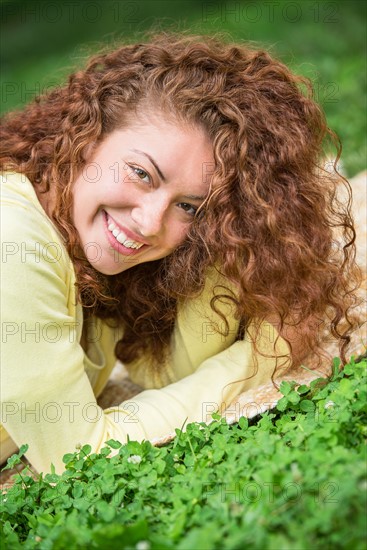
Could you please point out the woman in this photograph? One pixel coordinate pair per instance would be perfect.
(167, 207)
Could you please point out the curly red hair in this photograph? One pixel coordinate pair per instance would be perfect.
(270, 220)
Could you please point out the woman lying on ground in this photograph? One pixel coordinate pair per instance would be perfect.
(168, 207)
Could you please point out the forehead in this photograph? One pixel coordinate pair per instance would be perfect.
(183, 153)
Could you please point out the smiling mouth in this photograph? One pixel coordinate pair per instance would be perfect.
(120, 236)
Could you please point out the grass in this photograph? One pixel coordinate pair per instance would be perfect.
(295, 477)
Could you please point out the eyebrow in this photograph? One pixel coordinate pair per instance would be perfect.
(195, 197)
(161, 175)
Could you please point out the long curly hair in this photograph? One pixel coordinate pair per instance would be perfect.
(272, 225)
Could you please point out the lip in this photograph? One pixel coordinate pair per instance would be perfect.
(120, 248)
(128, 233)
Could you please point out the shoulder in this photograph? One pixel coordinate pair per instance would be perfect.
(27, 234)
(37, 275)
(16, 188)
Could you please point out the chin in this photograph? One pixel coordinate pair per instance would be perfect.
(109, 269)
(112, 272)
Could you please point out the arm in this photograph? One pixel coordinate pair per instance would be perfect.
(47, 399)
(207, 369)
(212, 387)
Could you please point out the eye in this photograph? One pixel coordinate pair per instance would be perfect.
(142, 174)
(189, 208)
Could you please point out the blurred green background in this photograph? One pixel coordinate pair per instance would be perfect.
(42, 41)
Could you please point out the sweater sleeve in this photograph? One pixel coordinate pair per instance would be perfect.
(214, 383)
(47, 400)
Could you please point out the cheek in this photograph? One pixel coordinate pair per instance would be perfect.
(177, 234)
(82, 205)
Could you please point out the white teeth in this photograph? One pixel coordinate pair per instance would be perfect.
(122, 238)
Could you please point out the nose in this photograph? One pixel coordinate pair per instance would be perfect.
(149, 217)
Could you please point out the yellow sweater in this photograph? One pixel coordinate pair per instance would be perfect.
(49, 383)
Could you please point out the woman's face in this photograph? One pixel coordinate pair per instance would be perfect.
(136, 197)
